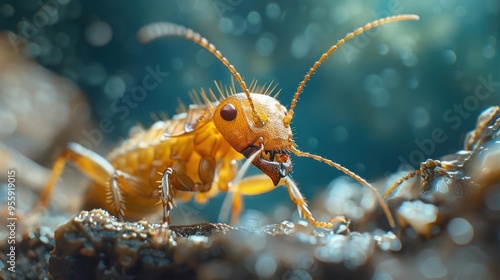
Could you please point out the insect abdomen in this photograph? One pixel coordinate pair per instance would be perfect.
(148, 153)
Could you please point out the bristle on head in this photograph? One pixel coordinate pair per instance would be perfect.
(158, 30)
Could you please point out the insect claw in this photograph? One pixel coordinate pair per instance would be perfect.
(162, 234)
(166, 197)
(339, 219)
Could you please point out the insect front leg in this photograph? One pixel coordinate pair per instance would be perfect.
(394, 186)
(166, 195)
(114, 182)
(301, 203)
(259, 184)
(175, 178)
(428, 170)
(253, 185)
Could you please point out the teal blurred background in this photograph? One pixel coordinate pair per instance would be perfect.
(373, 105)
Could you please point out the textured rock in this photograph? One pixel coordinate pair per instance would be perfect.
(94, 245)
(448, 218)
(32, 256)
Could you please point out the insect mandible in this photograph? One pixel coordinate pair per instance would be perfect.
(196, 153)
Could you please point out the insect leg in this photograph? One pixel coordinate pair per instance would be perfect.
(253, 185)
(353, 175)
(432, 169)
(301, 203)
(86, 160)
(399, 182)
(12, 159)
(259, 184)
(234, 197)
(176, 178)
(166, 195)
(472, 141)
(119, 184)
(94, 166)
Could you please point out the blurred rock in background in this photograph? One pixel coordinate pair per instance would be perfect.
(40, 112)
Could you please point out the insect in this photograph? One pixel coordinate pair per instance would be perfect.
(489, 118)
(429, 171)
(447, 168)
(196, 153)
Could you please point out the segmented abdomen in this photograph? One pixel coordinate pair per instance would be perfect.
(148, 153)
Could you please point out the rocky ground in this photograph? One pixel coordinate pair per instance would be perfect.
(448, 217)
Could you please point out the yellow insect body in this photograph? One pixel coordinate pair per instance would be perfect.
(197, 152)
(175, 143)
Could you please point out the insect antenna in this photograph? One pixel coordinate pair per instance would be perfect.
(368, 26)
(353, 175)
(400, 181)
(158, 30)
(288, 117)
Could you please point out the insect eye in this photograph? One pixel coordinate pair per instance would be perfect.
(228, 112)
